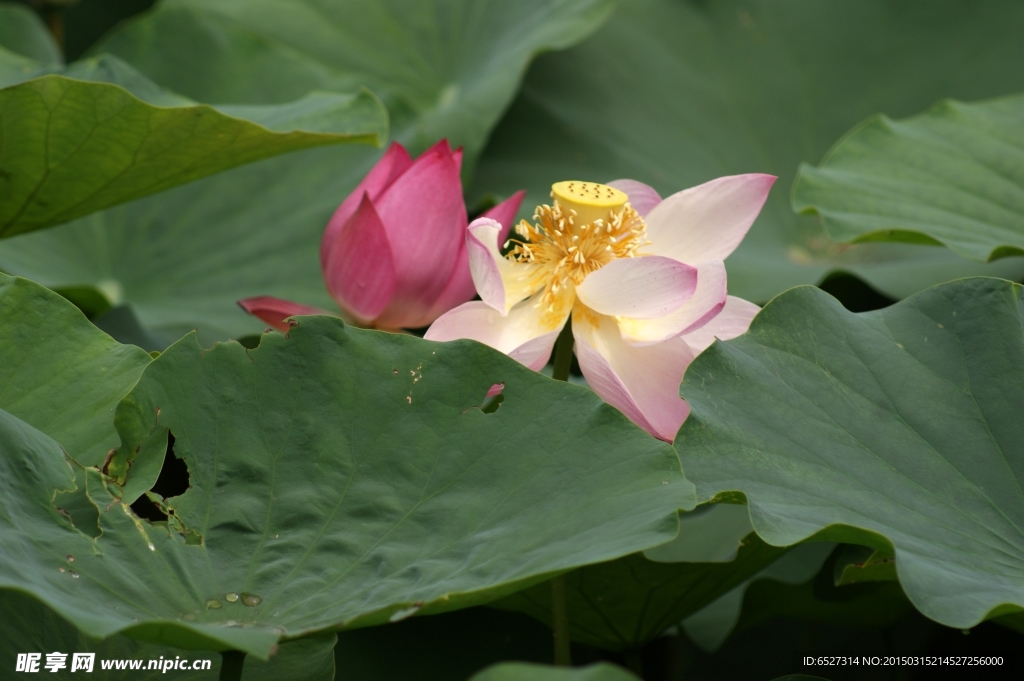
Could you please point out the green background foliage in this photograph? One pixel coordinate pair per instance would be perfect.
(678, 93)
(953, 176)
(348, 478)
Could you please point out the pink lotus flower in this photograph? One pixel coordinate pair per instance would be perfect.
(644, 281)
(394, 253)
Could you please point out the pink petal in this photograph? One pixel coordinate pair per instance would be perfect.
(732, 321)
(458, 290)
(456, 155)
(425, 221)
(709, 221)
(706, 302)
(275, 311)
(500, 282)
(392, 164)
(641, 196)
(641, 382)
(645, 287)
(505, 214)
(360, 271)
(460, 287)
(527, 334)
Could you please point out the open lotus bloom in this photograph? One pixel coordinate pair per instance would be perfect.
(394, 254)
(643, 279)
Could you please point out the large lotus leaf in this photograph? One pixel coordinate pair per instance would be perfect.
(27, 626)
(59, 373)
(23, 33)
(675, 93)
(877, 605)
(337, 477)
(445, 69)
(894, 429)
(710, 626)
(181, 260)
(74, 147)
(623, 604)
(953, 176)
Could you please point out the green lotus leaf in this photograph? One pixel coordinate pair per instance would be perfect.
(27, 626)
(444, 69)
(182, 259)
(77, 146)
(895, 429)
(22, 33)
(336, 478)
(59, 373)
(626, 603)
(677, 93)
(953, 176)
(710, 626)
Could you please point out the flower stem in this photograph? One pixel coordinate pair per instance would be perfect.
(563, 354)
(231, 665)
(560, 621)
(559, 589)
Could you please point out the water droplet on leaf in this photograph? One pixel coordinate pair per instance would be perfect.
(74, 574)
(252, 600)
(231, 597)
(213, 604)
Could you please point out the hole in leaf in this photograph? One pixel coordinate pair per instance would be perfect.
(493, 399)
(173, 481)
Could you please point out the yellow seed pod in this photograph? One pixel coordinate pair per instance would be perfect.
(590, 200)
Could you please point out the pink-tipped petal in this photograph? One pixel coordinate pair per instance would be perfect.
(526, 334)
(275, 311)
(425, 221)
(641, 382)
(500, 282)
(705, 303)
(505, 213)
(460, 287)
(644, 288)
(360, 271)
(456, 156)
(732, 321)
(392, 164)
(709, 221)
(641, 196)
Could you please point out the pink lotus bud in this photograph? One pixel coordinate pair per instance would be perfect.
(394, 252)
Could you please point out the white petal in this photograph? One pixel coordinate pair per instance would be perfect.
(644, 287)
(705, 303)
(732, 321)
(641, 197)
(709, 221)
(526, 334)
(642, 382)
(500, 282)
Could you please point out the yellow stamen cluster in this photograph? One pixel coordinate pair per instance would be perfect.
(567, 249)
